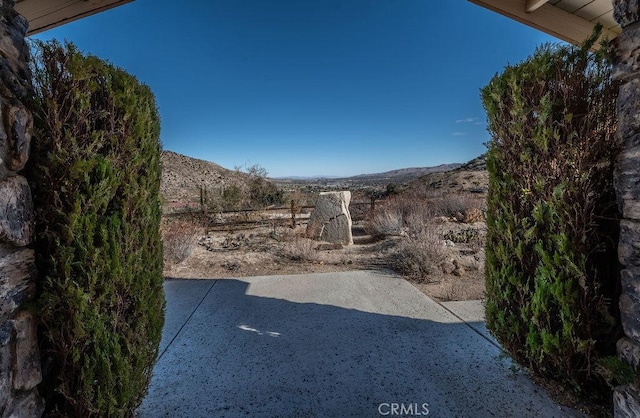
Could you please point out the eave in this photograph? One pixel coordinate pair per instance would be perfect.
(47, 14)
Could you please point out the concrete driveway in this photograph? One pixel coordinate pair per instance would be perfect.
(355, 344)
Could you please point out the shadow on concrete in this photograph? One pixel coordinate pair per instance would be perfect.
(240, 348)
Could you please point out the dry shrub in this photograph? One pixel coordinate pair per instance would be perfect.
(422, 253)
(359, 209)
(385, 222)
(457, 204)
(299, 249)
(393, 216)
(473, 215)
(466, 236)
(179, 238)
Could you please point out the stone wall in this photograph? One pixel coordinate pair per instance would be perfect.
(19, 355)
(627, 72)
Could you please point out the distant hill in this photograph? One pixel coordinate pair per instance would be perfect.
(469, 177)
(477, 164)
(405, 174)
(183, 176)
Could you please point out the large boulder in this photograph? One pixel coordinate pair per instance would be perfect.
(330, 220)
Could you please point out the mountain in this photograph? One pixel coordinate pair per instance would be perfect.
(405, 174)
(477, 164)
(182, 178)
(374, 180)
(468, 177)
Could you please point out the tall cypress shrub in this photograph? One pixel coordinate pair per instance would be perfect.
(95, 173)
(553, 223)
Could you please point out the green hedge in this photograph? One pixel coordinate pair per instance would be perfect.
(553, 223)
(95, 174)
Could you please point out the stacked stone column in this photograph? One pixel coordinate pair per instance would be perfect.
(627, 72)
(19, 356)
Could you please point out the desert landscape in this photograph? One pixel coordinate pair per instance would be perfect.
(426, 224)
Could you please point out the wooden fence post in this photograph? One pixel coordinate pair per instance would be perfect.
(203, 206)
(293, 214)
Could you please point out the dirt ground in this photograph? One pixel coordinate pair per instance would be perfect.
(269, 250)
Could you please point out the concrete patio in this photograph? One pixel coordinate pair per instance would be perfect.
(354, 344)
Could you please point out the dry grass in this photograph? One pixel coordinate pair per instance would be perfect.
(180, 238)
(299, 249)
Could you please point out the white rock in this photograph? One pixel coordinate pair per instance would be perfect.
(330, 220)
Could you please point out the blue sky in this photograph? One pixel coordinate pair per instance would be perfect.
(303, 88)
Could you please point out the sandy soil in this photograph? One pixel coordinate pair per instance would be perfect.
(269, 250)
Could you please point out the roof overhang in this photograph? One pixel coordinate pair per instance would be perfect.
(47, 14)
(569, 20)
